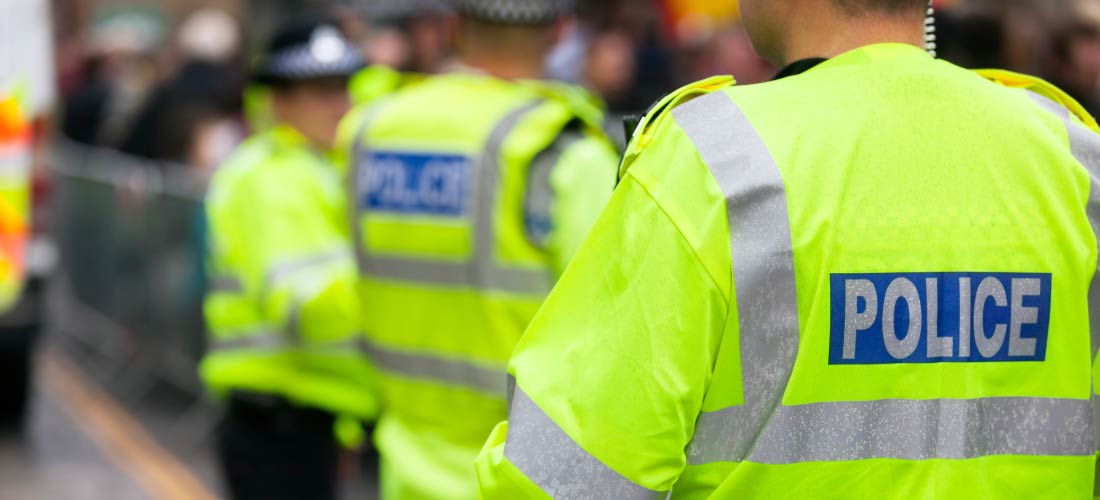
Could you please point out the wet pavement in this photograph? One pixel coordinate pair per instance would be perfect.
(54, 458)
(80, 443)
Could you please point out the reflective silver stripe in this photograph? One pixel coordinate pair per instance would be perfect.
(557, 464)
(259, 339)
(455, 274)
(449, 371)
(539, 199)
(283, 270)
(1085, 147)
(487, 272)
(482, 272)
(510, 392)
(294, 321)
(225, 284)
(763, 269)
(359, 155)
(16, 164)
(912, 430)
(354, 344)
(264, 339)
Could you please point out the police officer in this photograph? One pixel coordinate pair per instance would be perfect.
(285, 349)
(868, 279)
(471, 191)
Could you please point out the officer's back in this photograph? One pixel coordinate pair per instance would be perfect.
(938, 277)
(471, 191)
(881, 264)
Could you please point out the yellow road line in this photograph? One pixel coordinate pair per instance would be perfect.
(119, 436)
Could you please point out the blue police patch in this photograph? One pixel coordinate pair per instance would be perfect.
(415, 183)
(938, 317)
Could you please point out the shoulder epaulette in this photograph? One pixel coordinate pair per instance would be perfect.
(644, 132)
(1042, 87)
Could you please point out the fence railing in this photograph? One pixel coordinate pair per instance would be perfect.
(131, 238)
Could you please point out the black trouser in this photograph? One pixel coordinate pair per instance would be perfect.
(270, 450)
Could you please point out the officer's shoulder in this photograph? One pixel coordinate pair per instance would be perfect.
(658, 113)
(1042, 88)
(245, 162)
(251, 152)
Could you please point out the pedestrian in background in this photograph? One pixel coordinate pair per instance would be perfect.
(470, 190)
(872, 278)
(285, 347)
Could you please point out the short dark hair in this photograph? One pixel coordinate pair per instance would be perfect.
(881, 6)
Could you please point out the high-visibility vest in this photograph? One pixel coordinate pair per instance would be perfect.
(15, 176)
(282, 310)
(875, 279)
(470, 195)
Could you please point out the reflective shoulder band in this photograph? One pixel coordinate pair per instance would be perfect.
(1084, 144)
(557, 464)
(1085, 147)
(763, 267)
(358, 162)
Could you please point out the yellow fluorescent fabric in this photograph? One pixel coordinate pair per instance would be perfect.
(624, 262)
(283, 309)
(886, 162)
(15, 174)
(451, 278)
(375, 82)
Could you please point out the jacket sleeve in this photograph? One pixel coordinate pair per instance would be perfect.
(611, 374)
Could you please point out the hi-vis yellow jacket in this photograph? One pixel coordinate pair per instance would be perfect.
(876, 279)
(470, 195)
(282, 311)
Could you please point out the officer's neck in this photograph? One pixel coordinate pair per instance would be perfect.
(834, 33)
(505, 68)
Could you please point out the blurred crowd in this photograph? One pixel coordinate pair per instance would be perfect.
(171, 89)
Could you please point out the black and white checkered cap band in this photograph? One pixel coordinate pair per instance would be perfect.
(393, 9)
(512, 11)
(300, 63)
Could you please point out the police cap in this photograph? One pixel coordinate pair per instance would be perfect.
(307, 50)
(512, 11)
(389, 10)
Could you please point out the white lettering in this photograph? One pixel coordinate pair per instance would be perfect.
(938, 347)
(1020, 316)
(964, 317)
(855, 321)
(901, 289)
(989, 288)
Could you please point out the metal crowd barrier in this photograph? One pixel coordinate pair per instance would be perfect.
(131, 238)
